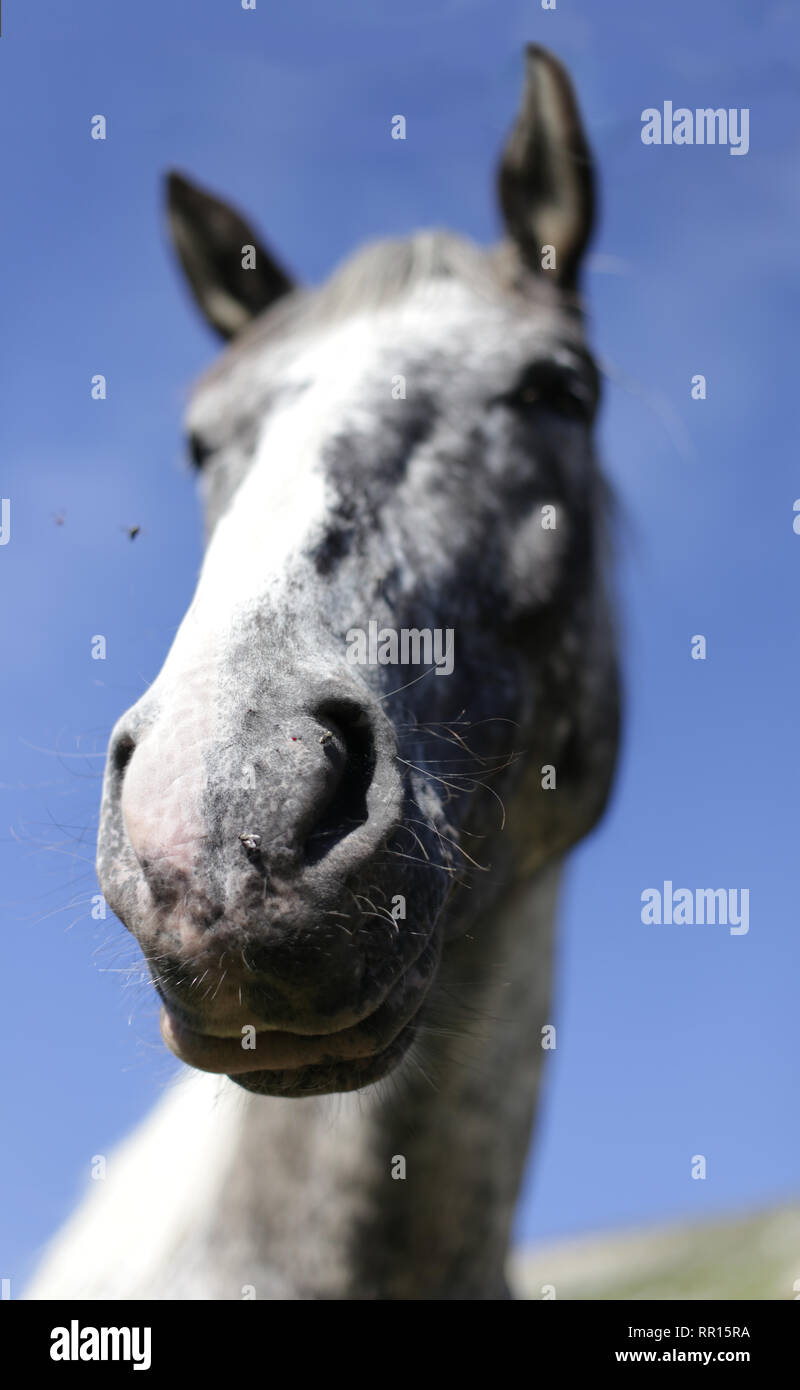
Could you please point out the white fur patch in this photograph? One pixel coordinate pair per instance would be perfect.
(283, 500)
(124, 1239)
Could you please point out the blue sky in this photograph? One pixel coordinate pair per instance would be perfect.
(672, 1041)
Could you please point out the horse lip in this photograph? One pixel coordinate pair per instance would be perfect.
(276, 1050)
(271, 1050)
(230, 1029)
(221, 1031)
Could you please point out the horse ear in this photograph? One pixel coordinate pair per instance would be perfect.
(230, 273)
(546, 180)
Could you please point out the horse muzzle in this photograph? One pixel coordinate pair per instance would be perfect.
(252, 863)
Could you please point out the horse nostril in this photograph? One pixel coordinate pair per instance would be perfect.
(346, 736)
(121, 753)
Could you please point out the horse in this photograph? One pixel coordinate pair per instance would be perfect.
(336, 822)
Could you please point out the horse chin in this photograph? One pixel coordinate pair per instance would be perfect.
(330, 1078)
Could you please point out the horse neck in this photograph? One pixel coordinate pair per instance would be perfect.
(408, 1190)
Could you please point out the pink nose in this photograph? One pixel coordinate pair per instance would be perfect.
(162, 797)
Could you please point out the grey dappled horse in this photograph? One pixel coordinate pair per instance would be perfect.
(339, 851)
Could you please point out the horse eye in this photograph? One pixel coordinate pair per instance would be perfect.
(199, 452)
(549, 387)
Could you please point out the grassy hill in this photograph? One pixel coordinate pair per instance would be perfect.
(752, 1256)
